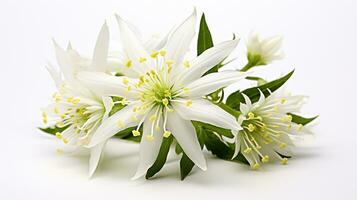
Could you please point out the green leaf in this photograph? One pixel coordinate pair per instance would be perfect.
(222, 150)
(53, 130)
(186, 163)
(260, 81)
(301, 120)
(161, 158)
(235, 98)
(219, 130)
(126, 134)
(204, 37)
(205, 41)
(178, 148)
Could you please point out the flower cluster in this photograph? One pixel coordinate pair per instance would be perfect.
(152, 93)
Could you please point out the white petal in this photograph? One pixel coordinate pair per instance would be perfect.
(108, 105)
(148, 149)
(155, 43)
(207, 112)
(110, 126)
(212, 82)
(132, 46)
(100, 54)
(180, 39)
(207, 60)
(64, 62)
(106, 85)
(186, 136)
(55, 74)
(237, 147)
(95, 154)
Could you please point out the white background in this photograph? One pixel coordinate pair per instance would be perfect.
(319, 42)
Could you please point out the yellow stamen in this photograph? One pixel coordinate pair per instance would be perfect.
(265, 159)
(251, 127)
(165, 102)
(65, 140)
(186, 90)
(125, 81)
(142, 59)
(120, 123)
(189, 102)
(282, 100)
(186, 64)
(169, 62)
(154, 54)
(167, 134)
(250, 115)
(256, 166)
(135, 133)
(76, 100)
(284, 161)
(128, 63)
(162, 53)
(59, 135)
(150, 137)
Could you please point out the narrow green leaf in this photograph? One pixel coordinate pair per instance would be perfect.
(161, 158)
(178, 148)
(235, 98)
(219, 130)
(126, 134)
(260, 81)
(222, 150)
(204, 37)
(186, 163)
(302, 120)
(53, 130)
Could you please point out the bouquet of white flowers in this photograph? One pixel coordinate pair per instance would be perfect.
(151, 94)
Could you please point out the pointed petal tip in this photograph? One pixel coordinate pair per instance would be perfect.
(136, 176)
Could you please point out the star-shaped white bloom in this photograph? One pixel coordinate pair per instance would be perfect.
(264, 51)
(268, 130)
(75, 106)
(167, 93)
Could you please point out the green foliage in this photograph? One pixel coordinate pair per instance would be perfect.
(302, 120)
(235, 98)
(186, 163)
(260, 81)
(161, 158)
(53, 130)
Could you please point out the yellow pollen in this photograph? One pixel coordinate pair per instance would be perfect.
(135, 109)
(44, 115)
(282, 145)
(55, 110)
(247, 150)
(186, 64)
(167, 134)
(129, 88)
(165, 102)
(150, 137)
(134, 118)
(128, 63)
(186, 90)
(75, 100)
(154, 54)
(284, 161)
(120, 123)
(59, 135)
(251, 127)
(169, 62)
(65, 140)
(256, 166)
(276, 107)
(157, 128)
(69, 99)
(135, 133)
(125, 81)
(142, 59)
(44, 120)
(189, 102)
(282, 100)
(250, 115)
(152, 118)
(265, 159)
(300, 126)
(167, 93)
(162, 53)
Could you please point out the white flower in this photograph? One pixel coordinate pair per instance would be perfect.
(264, 51)
(167, 93)
(268, 131)
(75, 106)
